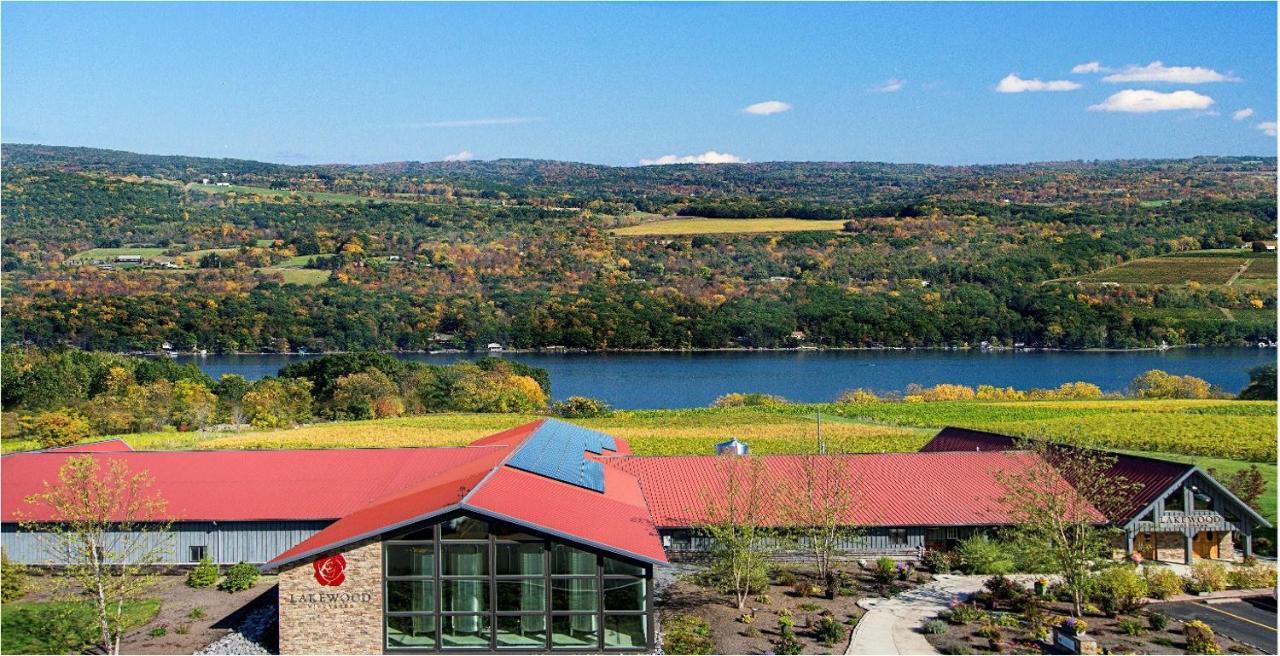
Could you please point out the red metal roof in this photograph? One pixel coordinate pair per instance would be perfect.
(1154, 476)
(886, 489)
(610, 521)
(250, 485)
(616, 519)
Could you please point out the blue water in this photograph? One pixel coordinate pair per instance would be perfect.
(672, 380)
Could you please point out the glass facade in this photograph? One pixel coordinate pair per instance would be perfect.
(468, 584)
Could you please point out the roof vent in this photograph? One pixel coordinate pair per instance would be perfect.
(732, 447)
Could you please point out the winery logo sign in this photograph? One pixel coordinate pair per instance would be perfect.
(330, 570)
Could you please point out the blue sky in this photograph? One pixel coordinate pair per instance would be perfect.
(626, 84)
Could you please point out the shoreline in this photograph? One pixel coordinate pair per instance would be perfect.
(815, 349)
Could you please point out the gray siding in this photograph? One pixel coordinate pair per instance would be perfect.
(224, 542)
(873, 541)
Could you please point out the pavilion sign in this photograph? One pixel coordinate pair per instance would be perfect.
(1180, 519)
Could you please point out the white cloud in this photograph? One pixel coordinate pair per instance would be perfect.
(1091, 67)
(475, 122)
(890, 85)
(1141, 101)
(461, 156)
(1267, 127)
(1014, 84)
(767, 107)
(709, 157)
(1157, 72)
(1242, 114)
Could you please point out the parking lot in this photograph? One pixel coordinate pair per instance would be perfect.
(1251, 620)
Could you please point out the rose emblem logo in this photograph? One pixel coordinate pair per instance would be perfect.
(330, 570)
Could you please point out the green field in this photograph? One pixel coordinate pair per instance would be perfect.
(297, 275)
(696, 226)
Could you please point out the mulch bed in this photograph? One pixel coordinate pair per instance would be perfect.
(692, 596)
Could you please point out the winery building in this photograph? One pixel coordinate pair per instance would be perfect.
(545, 537)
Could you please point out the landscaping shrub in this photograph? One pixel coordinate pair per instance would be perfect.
(1131, 626)
(1200, 638)
(1003, 589)
(982, 555)
(196, 613)
(784, 577)
(937, 561)
(158, 631)
(56, 428)
(829, 631)
(204, 575)
(1208, 576)
(1121, 590)
(884, 572)
(1163, 582)
(737, 400)
(1253, 576)
(935, 627)
(961, 613)
(240, 576)
(581, 407)
(1158, 621)
(687, 634)
(787, 642)
(13, 580)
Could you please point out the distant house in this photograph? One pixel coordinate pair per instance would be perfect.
(393, 258)
(129, 258)
(494, 347)
(223, 184)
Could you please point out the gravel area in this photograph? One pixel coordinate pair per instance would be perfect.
(250, 637)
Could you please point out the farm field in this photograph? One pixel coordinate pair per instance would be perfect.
(694, 226)
(297, 275)
(320, 196)
(112, 253)
(1208, 267)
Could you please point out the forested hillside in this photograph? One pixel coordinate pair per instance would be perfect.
(118, 251)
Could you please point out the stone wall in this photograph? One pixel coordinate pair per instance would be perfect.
(1226, 547)
(333, 619)
(1170, 547)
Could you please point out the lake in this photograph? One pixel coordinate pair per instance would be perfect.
(671, 380)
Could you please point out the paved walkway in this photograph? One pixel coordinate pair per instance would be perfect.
(892, 626)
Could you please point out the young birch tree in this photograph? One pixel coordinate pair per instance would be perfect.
(819, 508)
(106, 527)
(1059, 498)
(738, 521)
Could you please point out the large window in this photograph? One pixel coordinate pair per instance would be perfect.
(469, 584)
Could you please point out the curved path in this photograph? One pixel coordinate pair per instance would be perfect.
(892, 626)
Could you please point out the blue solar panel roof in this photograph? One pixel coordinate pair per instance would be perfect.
(558, 450)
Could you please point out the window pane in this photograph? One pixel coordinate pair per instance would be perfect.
(567, 560)
(1175, 501)
(504, 531)
(574, 632)
(1203, 501)
(411, 560)
(465, 559)
(520, 559)
(415, 631)
(411, 596)
(615, 566)
(573, 594)
(427, 533)
(464, 528)
(522, 595)
(464, 631)
(464, 596)
(624, 594)
(625, 631)
(522, 632)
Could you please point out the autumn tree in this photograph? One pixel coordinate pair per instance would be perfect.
(737, 521)
(1247, 484)
(1059, 498)
(106, 528)
(820, 508)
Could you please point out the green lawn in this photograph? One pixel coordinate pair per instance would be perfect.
(297, 276)
(695, 226)
(60, 627)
